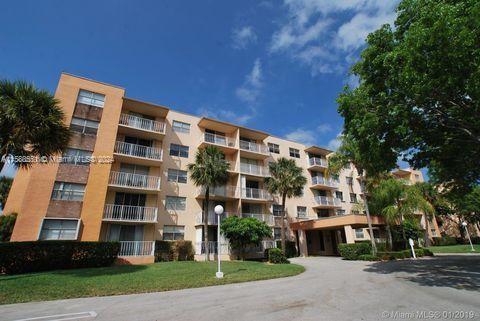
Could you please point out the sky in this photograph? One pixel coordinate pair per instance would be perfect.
(275, 66)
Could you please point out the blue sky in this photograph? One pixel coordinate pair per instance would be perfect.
(271, 65)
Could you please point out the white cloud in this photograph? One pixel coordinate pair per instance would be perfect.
(250, 90)
(314, 35)
(242, 37)
(324, 128)
(227, 115)
(303, 136)
(334, 143)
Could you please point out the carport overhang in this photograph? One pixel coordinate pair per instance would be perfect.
(354, 220)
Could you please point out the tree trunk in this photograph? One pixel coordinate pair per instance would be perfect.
(404, 235)
(369, 221)
(205, 223)
(390, 238)
(426, 238)
(282, 229)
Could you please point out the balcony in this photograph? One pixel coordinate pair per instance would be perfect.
(267, 218)
(327, 202)
(256, 194)
(129, 181)
(323, 183)
(317, 163)
(137, 248)
(128, 213)
(134, 126)
(254, 150)
(138, 154)
(212, 218)
(254, 170)
(262, 247)
(219, 192)
(224, 143)
(212, 247)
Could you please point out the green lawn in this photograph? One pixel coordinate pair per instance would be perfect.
(459, 248)
(128, 279)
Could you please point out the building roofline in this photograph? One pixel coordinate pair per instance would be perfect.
(92, 80)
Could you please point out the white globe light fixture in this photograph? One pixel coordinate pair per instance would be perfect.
(464, 224)
(219, 211)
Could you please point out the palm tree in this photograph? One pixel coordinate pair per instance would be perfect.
(209, 170)
(31, 122)
(347, 153)
(287, 181)
(430, 195)
(5, 184)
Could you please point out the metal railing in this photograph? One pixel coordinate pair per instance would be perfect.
(212, 218)
(142, 123)
(256, 193)
(316, 161)
(134, 180)
(136, 248)
(320, 180)
(129, 213)
(267, 218)
(254, 169)
(221, 191)
(219, 140)
(212, 247)
(254, 147)
(262, 247)
(129, 149)
(67, 195)
(327, 201)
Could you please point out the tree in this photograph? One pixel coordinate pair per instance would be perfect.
(209, 170)
(242, 232)
(31, 122)
(5, 184)
(286, 181)
(430, 194)
(7, 222)
(419, 90)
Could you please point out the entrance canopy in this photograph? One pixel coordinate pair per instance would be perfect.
(354, 220)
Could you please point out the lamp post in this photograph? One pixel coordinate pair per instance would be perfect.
(464, 224)
(219, 211)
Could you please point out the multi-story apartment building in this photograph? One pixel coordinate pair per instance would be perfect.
(145, 193)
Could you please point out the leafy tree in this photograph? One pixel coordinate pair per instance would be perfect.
(419, 90)
(209, 170)
(242, 232)
(287, 181)
(31, 122)
(7, 222)
(5, 184)
(429, 192)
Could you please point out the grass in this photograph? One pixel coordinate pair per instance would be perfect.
(128, 279)
(459, 248)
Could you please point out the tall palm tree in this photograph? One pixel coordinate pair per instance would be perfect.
(209, 170)
(287, 181)
(430, 195)
(31, 122)
(347, 153)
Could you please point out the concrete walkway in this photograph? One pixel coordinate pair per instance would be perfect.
(330, 289)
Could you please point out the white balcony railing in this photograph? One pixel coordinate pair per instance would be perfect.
(212, 218)
(320, 180)
(142, 123)
(254, 169)
(219, 140)
(267, 218)
(134, 180)
(316, 161)
(221, 191)
(129, 149)
(254, 147)
(256, 193)
(327, 201)
(128, 213)
(262, 247)
(212, 247)
(136, 248)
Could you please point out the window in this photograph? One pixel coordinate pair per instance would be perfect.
(59, 229)
(274, 148)
(301, 211)
(433, 232)
(176, 175)
(90, 98)
(353, 198)
(349, 180)
(173, 233)
(277, 210)
(339, 195)
(175, 203)
(376, 234)
(277, 233)
(340, 212)
(180, 127)
(84, 126)
(294, 152)
(359, 233)
(355, 212)
(76, 156)
(178, 150)
(348, 166)
(68, 191)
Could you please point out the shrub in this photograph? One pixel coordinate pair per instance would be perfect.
(180, 250)
(7, 222)
(367, 257)
(445, 240)
(290, 248)
(276, 256)
(352, 251)
(427, 252)
(24, 257)
(381, 246)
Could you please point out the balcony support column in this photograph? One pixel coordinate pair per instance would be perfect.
(302, 243)
(349, 234)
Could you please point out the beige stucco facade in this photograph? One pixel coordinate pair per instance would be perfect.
(328, 213)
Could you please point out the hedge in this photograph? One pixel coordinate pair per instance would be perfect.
(180, 250)
(276, 256)
(445, 240)
(7, 222)
(368, 257)
(352, 251)
(290, 248)
(24, 257)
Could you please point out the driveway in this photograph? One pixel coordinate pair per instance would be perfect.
(330, 289)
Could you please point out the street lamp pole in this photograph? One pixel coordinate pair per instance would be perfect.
(468, 236)
(219, 211)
